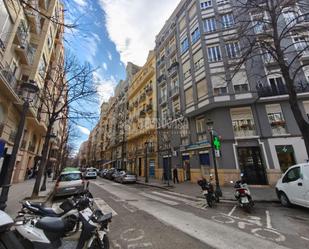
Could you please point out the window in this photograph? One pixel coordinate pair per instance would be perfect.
(221, 2)
(214, 54)
(42, 66)
(186, 68)
(232, 49)
(243, 123)
(290, 17)
(201, 129)
(241, 88)
(292, 175)
(192, 11)
(198, 60)
(189, 96)
(227, 20)
(277, 86)
(220, 91)
(210, 25)
(184, 46)
(206, 4)
(70, 177)
(164, 116)
(276, 119)
(301, 43)
(201, 89)
(195, 35)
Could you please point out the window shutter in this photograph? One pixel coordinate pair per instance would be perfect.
(241, 113)
(218, 81)
(198, 55)
(186, 66)
(275, 108)
(240, 78)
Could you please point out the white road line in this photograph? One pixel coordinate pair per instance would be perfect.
(140, 245)
(182, 195)
(101, 204)
(232, 211)
(173, 203)
(304, 238)
(173, 197)
(268, 220)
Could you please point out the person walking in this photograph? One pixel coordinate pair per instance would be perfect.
(175, 175)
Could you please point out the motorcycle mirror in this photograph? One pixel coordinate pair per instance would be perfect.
(231, 182)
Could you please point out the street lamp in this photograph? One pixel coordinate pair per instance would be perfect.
(51, 139)
(29, 90)
(145, 164)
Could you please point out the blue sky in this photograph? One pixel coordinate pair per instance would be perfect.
(110, 33)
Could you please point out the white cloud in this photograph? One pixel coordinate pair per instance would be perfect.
(133, 25)
(104, 65)
(84, 130)
(90, 44)
(110, 57)
(81, 3)
(105, 86)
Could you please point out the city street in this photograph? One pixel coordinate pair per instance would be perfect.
(146, 217)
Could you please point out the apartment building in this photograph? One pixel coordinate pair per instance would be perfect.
(142, 136)
(197, 86)
(30, 43)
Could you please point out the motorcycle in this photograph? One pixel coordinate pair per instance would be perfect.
(243, 195)
(208, 191)
(49, 232)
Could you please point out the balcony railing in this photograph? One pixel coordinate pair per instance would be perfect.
(245, 131)
(267, 91)
(142, 97)
(161, 61)
(149, 90)
(173, 67)
(9, 77)
(278, 127)
(161, 78)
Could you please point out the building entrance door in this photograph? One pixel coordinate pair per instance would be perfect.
(251, 164)
(186, 167)
(140, 167)
(286, 157)
(152, 168)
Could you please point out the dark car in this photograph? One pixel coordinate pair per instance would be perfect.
(109, 174)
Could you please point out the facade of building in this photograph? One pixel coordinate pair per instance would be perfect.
(29, 44)
(142, 136)
(259, 134)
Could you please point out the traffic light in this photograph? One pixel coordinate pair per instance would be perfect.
(216, 142)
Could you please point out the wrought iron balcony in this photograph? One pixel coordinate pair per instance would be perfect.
(149, 90)
(161, 78)
(173, 67)
(9, 77)
(268, 91)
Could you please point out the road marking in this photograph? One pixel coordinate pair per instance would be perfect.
(129, 208)
(173, 203)
(101, 204)
(126, 234)
(182, 195)
(304, 238)
(115, 184)
(279, 237)
(232, 211)
(173, 197)
(268, 220)
(140, 245)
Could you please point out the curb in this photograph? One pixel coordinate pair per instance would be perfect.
(43, 199)
(222, 198)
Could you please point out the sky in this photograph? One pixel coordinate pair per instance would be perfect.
(109, 34)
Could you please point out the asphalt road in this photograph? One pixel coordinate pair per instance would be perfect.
(146, 217)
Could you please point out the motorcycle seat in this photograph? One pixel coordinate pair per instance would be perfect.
(51, 224)
(44, 210)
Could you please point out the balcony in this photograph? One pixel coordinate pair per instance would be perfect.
(149, 90)
(161, 78)
(245, 130)
(33, 17)
(142, 97)
(173, 69)
(163, 99)
(174, 92)
(171, 50)
(161, 61)
(1, 128)
(9, 77)
(278, 127)
(142, 114)
(267, 91)
(149, 108)
(177, 114)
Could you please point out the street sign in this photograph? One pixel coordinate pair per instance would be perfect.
(217, 153)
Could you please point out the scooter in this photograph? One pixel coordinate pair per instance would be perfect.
(243, 195)
(49, 232)
(208, 191)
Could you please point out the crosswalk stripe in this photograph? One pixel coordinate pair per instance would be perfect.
(182, 195)
(173, 203)
(174, 197)
(101, 204)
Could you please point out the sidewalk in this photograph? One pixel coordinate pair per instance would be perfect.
(20, 191)
(259, 193)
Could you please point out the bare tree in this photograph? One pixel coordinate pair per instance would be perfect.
(275, 32)
(68, 86)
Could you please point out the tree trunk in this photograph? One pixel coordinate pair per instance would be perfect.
(43, 162)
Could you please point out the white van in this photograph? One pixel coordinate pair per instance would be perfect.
(293, 186)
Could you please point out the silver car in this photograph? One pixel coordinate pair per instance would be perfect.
(70, 183)
(125, 177)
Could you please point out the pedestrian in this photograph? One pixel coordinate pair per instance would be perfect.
(175, 175)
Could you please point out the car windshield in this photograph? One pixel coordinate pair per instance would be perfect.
(70, 177)
(91, 170)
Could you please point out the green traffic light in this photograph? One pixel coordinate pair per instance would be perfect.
(217, 143)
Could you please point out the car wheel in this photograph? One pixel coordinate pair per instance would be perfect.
(284, 200)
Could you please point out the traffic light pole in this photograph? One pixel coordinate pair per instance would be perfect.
(218, 189)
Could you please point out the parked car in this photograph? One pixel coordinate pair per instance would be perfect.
(293, 186)
(125, 177)
(91, 173)
(70, 182)
(109, 174)
(101, 172)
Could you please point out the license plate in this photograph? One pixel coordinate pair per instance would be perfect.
(205, 192)
(244, 200)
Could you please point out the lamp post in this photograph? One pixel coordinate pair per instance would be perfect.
(51, 137)
(145, 164)
(29, 90)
